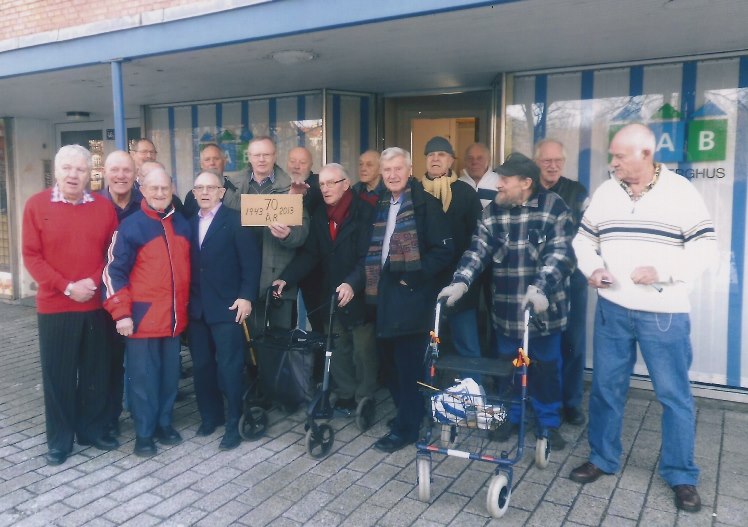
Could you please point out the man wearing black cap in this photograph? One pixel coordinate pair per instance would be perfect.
(463, 209)
(525, 237)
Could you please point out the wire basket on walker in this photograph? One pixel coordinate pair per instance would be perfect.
(466, 417)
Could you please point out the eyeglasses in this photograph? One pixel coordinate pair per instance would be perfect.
(330, 184)
(205, 188)
(549, 162)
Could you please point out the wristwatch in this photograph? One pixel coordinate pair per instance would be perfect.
(69, 289)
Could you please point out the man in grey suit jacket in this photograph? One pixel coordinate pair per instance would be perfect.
(278, 242)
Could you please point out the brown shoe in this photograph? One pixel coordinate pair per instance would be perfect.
(586, 473)
(687, 498)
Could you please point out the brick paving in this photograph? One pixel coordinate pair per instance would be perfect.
(273, 481)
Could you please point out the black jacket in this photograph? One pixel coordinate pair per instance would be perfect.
(409, 309)
(463, 214)
(336, 261)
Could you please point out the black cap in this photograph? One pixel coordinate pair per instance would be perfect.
(519, 165)
(438, 144)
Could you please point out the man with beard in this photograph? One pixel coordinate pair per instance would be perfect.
(525, 236)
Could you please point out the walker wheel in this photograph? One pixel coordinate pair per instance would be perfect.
(542, 452)
(449, 436)
(423, 464)
(497, 498)
(365, 413)
(253, 426)
(319, 442)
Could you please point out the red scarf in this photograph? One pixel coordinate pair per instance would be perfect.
(337, 213)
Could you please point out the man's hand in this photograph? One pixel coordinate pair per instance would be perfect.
(453, 292)
(82, 290)
(299, 187)
(537, 298)
(279, 230)
(601, 279)
(243, 309)
(125, 327)
(345, 294)
(646, 275)
(278, 285)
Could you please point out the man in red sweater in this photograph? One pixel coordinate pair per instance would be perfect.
(66, 231)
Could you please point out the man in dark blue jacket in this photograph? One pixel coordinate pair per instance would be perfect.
(410, 245)
(225, 277)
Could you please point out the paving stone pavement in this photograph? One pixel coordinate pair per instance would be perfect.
(272, 481)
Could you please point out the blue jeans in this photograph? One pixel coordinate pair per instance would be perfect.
(573, 345)
(463, 327)
(665, 345)
(543, 377)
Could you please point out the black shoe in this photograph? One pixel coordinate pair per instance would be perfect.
(574, 416)
(687, 498)
(166, 435)
(55, 457)
(206, 429)
(144, 447)
(231, 439)
(556, 440)
(347, 404)
(392, 442)
(586, 473)
(104, 442)
(112, 429)
(504, 431)
(391, 422)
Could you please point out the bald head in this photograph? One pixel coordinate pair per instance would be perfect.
(368, 169)
(119, 174)
(477, 160)
(632, 153)
(299, 164)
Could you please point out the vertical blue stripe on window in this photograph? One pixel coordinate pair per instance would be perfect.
(300, 116)
(172, 144)
(737, 242)
(272, 116)
(540, 107)
(219, 121)
(195, 138)
(585, 132)
(336, 118)
(364, 124)
(636, 81)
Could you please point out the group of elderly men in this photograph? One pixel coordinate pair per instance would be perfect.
(387, 248)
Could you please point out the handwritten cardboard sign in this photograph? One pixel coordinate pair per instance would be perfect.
(264, 209)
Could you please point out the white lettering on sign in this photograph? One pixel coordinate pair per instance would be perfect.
(665, 142)
(706, 140)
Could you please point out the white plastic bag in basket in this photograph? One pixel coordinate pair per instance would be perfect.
(450, 406)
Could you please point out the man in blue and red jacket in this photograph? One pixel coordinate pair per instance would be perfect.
(146, 280)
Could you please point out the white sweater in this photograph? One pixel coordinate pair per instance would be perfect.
(669, 228)
(486, 187)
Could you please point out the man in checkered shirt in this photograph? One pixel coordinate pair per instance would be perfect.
(525, 237)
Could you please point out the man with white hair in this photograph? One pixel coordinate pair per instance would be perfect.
(478, 174)
(644, 240)
(146, 282)
(66, 231)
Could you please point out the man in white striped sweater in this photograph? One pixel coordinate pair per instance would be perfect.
(644, 240)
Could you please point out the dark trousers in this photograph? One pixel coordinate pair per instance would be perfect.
(116, 372)
(152, 367)
(573, 345)
(218, 367)
(75, 372)
(405, 355)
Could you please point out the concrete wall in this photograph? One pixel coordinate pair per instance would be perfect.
(37, 139)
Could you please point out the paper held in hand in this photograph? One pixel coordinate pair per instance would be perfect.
(264, 209)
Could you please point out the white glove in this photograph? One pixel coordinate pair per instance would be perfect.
(536, 297)
(453, 292)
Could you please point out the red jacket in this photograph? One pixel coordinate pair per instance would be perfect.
(147, 275)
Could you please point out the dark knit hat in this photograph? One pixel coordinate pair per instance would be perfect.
(438, 144)
(519, 165)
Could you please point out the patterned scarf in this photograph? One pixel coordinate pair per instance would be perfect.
(440, 188)
(404, 254)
